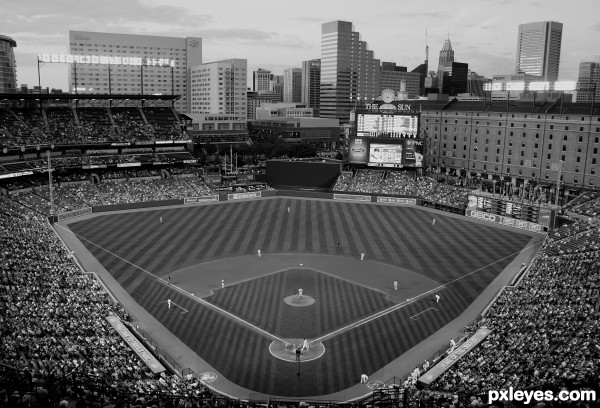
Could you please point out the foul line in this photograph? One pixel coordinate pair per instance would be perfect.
(175, 304)
(266, 333)
(409, 301)
(413, 316)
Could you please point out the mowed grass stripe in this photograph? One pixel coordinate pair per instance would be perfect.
(264, 234)
(272, 244)
(207, 225)
(242, 240)
(348, 229)
(259, 223)
(387, 222)
(315, 241)
(176, 240)
(371, 240)
(225, 229)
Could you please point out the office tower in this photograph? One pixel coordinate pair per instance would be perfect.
(292, 85)
(538, 49)
(446, 54)
(220, 87)
(453, 77)
(261, 80)
(391, 77)
(349, 72)
(445, 63)
(311, 84)
(127, 79)
(588, 81)
(8, 67)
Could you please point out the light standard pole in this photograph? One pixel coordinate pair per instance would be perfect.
(558, 183)
(298, 354)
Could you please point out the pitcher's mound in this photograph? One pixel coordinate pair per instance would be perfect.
(296, 300)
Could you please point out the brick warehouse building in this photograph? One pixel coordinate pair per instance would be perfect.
(519, 142)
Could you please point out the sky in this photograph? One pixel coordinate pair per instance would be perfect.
(281, 34)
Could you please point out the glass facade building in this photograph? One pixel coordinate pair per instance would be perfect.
(311, 84)
(292, 85)
(349, 71)
(8, 68)
(538, 49)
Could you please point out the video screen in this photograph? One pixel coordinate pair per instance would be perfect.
(377, 125)
(358, 150)
(385, 155)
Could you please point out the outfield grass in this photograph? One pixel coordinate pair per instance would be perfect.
(135, 248)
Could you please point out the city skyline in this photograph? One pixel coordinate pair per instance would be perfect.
(483, 33)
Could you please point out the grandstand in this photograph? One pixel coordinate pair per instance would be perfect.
(57, 344)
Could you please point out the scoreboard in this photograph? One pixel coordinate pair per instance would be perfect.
(510, 209)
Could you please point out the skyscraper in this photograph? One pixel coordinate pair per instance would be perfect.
(445, 63)
(348, 70)
(311, 84)
(446, 54)
(538, 49)
(292, 85)
(588, 81)
(454, 78)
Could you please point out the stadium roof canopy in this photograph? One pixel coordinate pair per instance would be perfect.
(69, 96)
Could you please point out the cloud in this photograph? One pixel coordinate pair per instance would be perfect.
(124, 16)
(309, 19)
(249, 35)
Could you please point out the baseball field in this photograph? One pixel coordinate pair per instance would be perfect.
(234, 308)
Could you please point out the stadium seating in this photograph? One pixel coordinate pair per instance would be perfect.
(545, 329)
(403, 184)
(70, 125)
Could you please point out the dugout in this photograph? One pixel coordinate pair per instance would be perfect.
(308, 174)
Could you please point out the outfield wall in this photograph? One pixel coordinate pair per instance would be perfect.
(338, 196)
(132, 206)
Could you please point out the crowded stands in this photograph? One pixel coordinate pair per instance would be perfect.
(402, 184)
(544, 329)
(70, 125)
(53, 318)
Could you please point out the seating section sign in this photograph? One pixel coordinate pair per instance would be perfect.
(134, 343)
(453, 356)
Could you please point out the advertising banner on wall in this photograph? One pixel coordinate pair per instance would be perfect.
(397, 200)
(510, 222)
(242, 196)
(359, 150)
(204, 199)
(351, 197)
